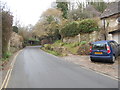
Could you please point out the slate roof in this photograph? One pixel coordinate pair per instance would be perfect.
(116, 31)
(112, 9)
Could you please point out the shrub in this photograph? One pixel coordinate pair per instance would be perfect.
(58, 42)
(53, 52)
(74, 28)
(70, 30)
(48, 47)
(88, 25)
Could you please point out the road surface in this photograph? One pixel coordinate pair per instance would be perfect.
(35, 68)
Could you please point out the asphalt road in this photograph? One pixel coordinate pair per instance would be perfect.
(35, 68)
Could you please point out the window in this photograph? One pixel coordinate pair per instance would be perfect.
(118, 19)
(99, 47)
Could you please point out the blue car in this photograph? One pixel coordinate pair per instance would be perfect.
(106, 50)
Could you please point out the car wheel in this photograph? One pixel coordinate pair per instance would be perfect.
(113, 59)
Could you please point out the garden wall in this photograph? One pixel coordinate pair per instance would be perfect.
(89, 37)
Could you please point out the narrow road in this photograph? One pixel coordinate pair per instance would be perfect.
(35, 68)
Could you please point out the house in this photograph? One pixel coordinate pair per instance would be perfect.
(111, 21)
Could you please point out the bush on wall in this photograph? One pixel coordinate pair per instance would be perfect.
(74, 28)
(70, 29)
(88, 25)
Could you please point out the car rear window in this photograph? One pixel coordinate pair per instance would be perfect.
(99, 47)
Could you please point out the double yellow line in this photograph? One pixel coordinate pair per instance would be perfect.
(7, 77)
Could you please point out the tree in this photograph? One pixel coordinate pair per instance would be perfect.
(87, 10)
(48, 22)
(39, 29)
(63, 6)
(77, 14)
(99, 6)
(24, 32)
(7, 21)
(50, 15)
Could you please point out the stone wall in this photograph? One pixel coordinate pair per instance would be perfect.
(89, 37)
(72, 39)
(112, 23)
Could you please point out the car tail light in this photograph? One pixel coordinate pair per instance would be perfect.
(108, 49)
(90, 48)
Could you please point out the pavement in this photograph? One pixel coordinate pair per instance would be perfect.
(35, 68)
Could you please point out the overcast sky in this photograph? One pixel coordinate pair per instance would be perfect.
(28, 11)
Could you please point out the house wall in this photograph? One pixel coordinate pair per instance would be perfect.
(112, 26)
(111, 23)
(116, 37)
(119, 38)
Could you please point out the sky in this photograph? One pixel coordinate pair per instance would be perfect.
(28, 11)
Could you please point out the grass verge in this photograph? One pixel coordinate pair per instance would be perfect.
(60, 48)
(51, 52)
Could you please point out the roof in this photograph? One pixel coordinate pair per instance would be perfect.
(112, 9)
(101, 42)
(116, 31)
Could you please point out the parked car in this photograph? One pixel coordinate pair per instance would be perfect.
(106, 50)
